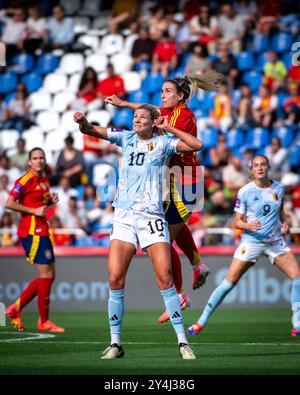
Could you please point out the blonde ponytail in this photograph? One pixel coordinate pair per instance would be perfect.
(209, 81)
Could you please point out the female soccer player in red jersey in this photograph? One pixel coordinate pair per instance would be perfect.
(30, 196)
(175, 92)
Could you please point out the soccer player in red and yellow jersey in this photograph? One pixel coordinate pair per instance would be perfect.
(175, 92)
(30, 197)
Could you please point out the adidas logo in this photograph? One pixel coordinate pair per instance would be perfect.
(161, 235)
(176, 315)
(256, 198)
(209, 305)
(114, 318)
(130, 144)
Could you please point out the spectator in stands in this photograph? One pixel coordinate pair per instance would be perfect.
(180, 33)
(70, 164)
(16, 111)
(247, 9)
(233, 176)
(86, 95)
(158, 22)
(199, 62)
(58, 238)
(61, 30)
(222, 207)
(143, 46)
(20, 158)
(232, 28)
(227, 65)
(4, 191)
(165, 56)
(74, 216)
(199, 222)
(289, 114)
(64, 191)
(276, 155)
(111, 85)
(36, 30)
(294, 74)
(221, 114)
(264, 107)
(274, 72)
(14, 30)
(220, 154)
(8, 237)
(206, 28)
(244, 114)
(7, 169)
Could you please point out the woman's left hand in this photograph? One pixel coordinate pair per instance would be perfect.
(161, 122)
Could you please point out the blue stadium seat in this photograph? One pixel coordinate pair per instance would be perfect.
(8, 82)
(144, 65)
(294, 156)
(281, 42)
(155, 99)
(152, 83)
(260, 43)
(234, 139)
(123, 118)
(46, 63)
(281, 96)
(260, 61)
(207, 102)
(235, 97)
(138, 97)
(253, 79)
(286, 135)
(195, 103)
(22, 63)
(209, 137)
(257, 138)
(9, 96)
(33, 81)
(245, 61)
(204, 158)
(287, 59)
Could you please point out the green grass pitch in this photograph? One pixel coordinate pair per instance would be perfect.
(234, 342)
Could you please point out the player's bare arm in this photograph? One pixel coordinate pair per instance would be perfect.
(241, 223)
(87, 128)
(285, 228)
(14, 205)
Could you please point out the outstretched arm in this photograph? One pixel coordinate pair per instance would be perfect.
(14, 205)
(187, 143)
(118, 102)
(87, 128)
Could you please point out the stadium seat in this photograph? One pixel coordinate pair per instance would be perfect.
(132, 81)
(8, 97)
(8, 138)
(111, 44)
(101, 116)
(54, 83)
(138, 97)
(39, 101)
(207, 103)
(123, 118)
(91, 41)
(46, 64)
(101, 172)
(71, 6)
(234, 139)
(209, 137)
(294, 156)
(281, 42)
(143, 67)
(286, 135)
(33, 137)
(78, 141)
(152, 83)
(195, 102)
(32, 81)
(61, 100)
(55, 140)
(204, 158)
(8, 82)
(73, 83)
(155, 99)
(260, 43)
(22, 63)
(81, 24)
(287, 59)
(90, 8)
(100, 21)
(257, 138)
(121, 63)
(47, 120)
(260, 62)
(97, 61)
(253, 79)
(245, 61)
(71, 63)
(66, 123)
(129, 43)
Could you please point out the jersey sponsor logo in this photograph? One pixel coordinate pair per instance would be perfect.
(116, 130)
(18, 188)
(238, 203)
(275, 196)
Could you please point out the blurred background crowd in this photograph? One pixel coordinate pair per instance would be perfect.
(69, 55)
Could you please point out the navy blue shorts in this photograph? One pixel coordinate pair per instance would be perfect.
(38, 249)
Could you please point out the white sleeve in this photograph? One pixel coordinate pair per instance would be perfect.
(171, 146)
(115, 136)
(240, 203)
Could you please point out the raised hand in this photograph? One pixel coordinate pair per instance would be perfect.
(114, 100)
(80, 118)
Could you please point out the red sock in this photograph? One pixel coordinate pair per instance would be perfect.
(176, 270)
(44, 297)
(186, 243)
(28, 294)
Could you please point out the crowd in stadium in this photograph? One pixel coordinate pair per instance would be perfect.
(69, 55)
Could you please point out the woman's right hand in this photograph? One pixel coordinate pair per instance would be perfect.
(114, 100)
(80, 118)
(254, 226)
(40, 211)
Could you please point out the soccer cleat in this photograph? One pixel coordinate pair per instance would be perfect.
(14, 314)
(200, 274)
(184, 303)
(295, 332)
(113, 351)
(195, 329)
(49, 326)
(185, 351)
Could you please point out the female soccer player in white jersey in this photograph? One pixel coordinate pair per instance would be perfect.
(139, 216)
(260, 215)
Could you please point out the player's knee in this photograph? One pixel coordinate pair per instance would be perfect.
(164, 280)
(116, 281)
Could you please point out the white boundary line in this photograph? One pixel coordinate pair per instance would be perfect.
(32, 336)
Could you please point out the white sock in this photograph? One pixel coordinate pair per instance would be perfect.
(182, 338)
(115, 338)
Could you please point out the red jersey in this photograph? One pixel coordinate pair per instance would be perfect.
(111, 86)
(165, 51)
(182, 118)
(32, 191)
